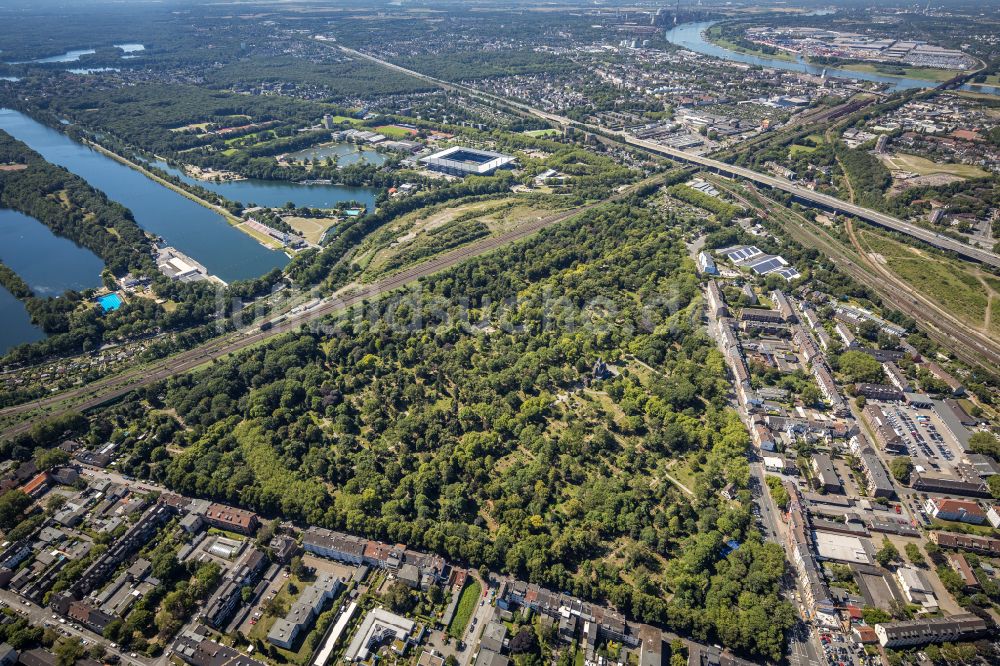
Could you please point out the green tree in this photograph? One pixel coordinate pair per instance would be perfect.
(858, 366)
(901, 468)
(13, 504)
(68, 651)
(46, 459)
(914, 555)
(811, 395)
(873, 616)
(398, 597)
(887, 553)
(985, 443)
(778, 492)
(993, 482)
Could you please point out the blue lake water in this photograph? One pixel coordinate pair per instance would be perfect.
(75, 54)
(276, 193)
(69, 56)
(49, 264)
(195, 230)
(346, 154)
(690, 36)
(17, 327)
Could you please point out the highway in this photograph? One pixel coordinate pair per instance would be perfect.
(826, 201)
(801, 193)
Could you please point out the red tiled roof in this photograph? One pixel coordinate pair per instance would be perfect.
(36, 483)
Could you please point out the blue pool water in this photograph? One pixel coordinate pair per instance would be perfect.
(110, 302)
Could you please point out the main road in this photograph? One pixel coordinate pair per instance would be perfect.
(816, 198)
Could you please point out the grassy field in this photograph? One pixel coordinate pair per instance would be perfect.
(797, 149)
(309, 228)
(413, 228)
(923, 73)
(714, 35)
(466, 607)
(344, 119)
(542, 132)
(925, 167)
(949, 283)
(394, 131)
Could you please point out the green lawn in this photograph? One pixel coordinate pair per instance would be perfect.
(947, 282)
(923, 73)
(542, 132)
(394, 132)
(336, 120)
(797, 149)
(466, 607)
(925, 167)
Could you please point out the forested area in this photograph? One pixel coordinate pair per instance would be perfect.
(491, 444)
(155, 116)
(478, 64)
(345, 79)
(868, 176)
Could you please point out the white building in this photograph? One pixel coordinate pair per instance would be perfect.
(916, 588)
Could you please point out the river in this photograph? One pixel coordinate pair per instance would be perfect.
(690, 36)
(195, 230)
(276, 193)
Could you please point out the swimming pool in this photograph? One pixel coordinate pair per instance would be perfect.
(110, 302)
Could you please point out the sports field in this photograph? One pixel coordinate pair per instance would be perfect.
(310, 228)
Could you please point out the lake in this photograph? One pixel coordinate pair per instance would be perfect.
(17, 328)
(193, 229)
(50, 264)
(276, 193)
(690, 36)
(346, 154)
(75, 54)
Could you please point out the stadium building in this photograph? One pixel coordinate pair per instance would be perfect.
(461, 161)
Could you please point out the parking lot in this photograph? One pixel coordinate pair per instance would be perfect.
(929, 442)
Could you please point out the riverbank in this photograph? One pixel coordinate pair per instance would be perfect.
(922, 73)
(234, 221)
(700, 37)
(713, 35)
